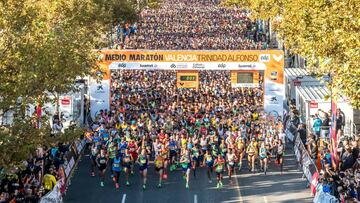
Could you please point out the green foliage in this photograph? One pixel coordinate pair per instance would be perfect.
(324, 31)
(44, 46)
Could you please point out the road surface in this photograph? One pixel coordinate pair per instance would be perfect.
(248, 187)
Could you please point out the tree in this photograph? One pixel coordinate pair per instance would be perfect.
(324, 31)
(44, 46)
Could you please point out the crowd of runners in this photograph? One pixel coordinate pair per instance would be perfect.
(152, 122)
(193, 24)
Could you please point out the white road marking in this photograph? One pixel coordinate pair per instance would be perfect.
(265, 199)
(195, 199)
(123, 198)
(238, 186)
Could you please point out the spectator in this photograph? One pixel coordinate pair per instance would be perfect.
(347, 159)
(314, 151)
(317, 126)
(49, 180)
(57, 127)
(339, 121)
(302, 133)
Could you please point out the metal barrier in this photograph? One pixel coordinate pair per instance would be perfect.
(304, 160)
(56, 195)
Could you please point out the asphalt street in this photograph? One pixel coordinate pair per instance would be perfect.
(248, 187)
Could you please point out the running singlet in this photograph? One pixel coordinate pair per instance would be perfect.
(132, 147)
(263, 153)
(102, 160)
(96, 139)
(142, 160)
(183, 143)
(172, 145)
(185, 163)
(241, 146)
(122, 146)
(208, 158)
(159, 162)
(105, 136)
(94, 151)
(195, 152)
(251, 150)
(280, 149)
(231, 158)
(223, 149)
(219, 166)
(116, 164)
(203, 143)
(112, 152)
(126, 159)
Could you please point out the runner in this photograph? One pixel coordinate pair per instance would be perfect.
(133, 153)
(208, 161)
(241, 146)
(112, 149)
(219, 165)
(116, 168)
(173, 152)
(279, 155)
(252, 153)
(143, 166)
(263, 155)
(195, 158)
(127, 160)
(186, 166)
(93, 154)
(230, 159)
(159, 167)
(101, 162)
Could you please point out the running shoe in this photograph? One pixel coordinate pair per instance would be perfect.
(159, 186)
(132, 172)
(92, 174)
(114, 179)
(117, 185)
(218, 185)
(210, 181)
(221, 184)
(144, 187)
(127, 183)
(102, 184)
(187, 186)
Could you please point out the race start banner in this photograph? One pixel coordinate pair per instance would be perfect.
(246, 64)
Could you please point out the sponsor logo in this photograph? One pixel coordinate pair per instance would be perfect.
(198, 66)
(222, 65)
(147, 66)
(277, 58)
(264, 57)
(122, 65)
(100, 87)
(274, 100)
(181, 66)
(246, 66)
